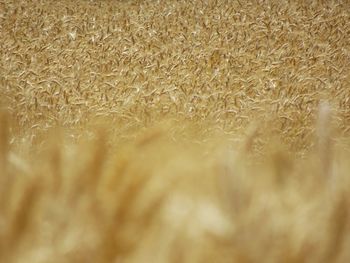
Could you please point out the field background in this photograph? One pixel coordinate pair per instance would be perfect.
(226, 124)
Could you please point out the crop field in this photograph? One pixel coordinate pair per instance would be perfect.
(174, 131)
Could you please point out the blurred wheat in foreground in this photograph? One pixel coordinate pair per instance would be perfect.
(165, 199)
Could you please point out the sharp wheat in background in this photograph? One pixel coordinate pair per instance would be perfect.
(174, 131)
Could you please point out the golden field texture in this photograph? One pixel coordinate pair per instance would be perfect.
(174, 131)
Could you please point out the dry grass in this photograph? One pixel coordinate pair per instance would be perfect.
(169, 131)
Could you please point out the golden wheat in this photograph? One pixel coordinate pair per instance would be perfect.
(174, 131)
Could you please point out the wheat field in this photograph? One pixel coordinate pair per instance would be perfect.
(174, 131)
